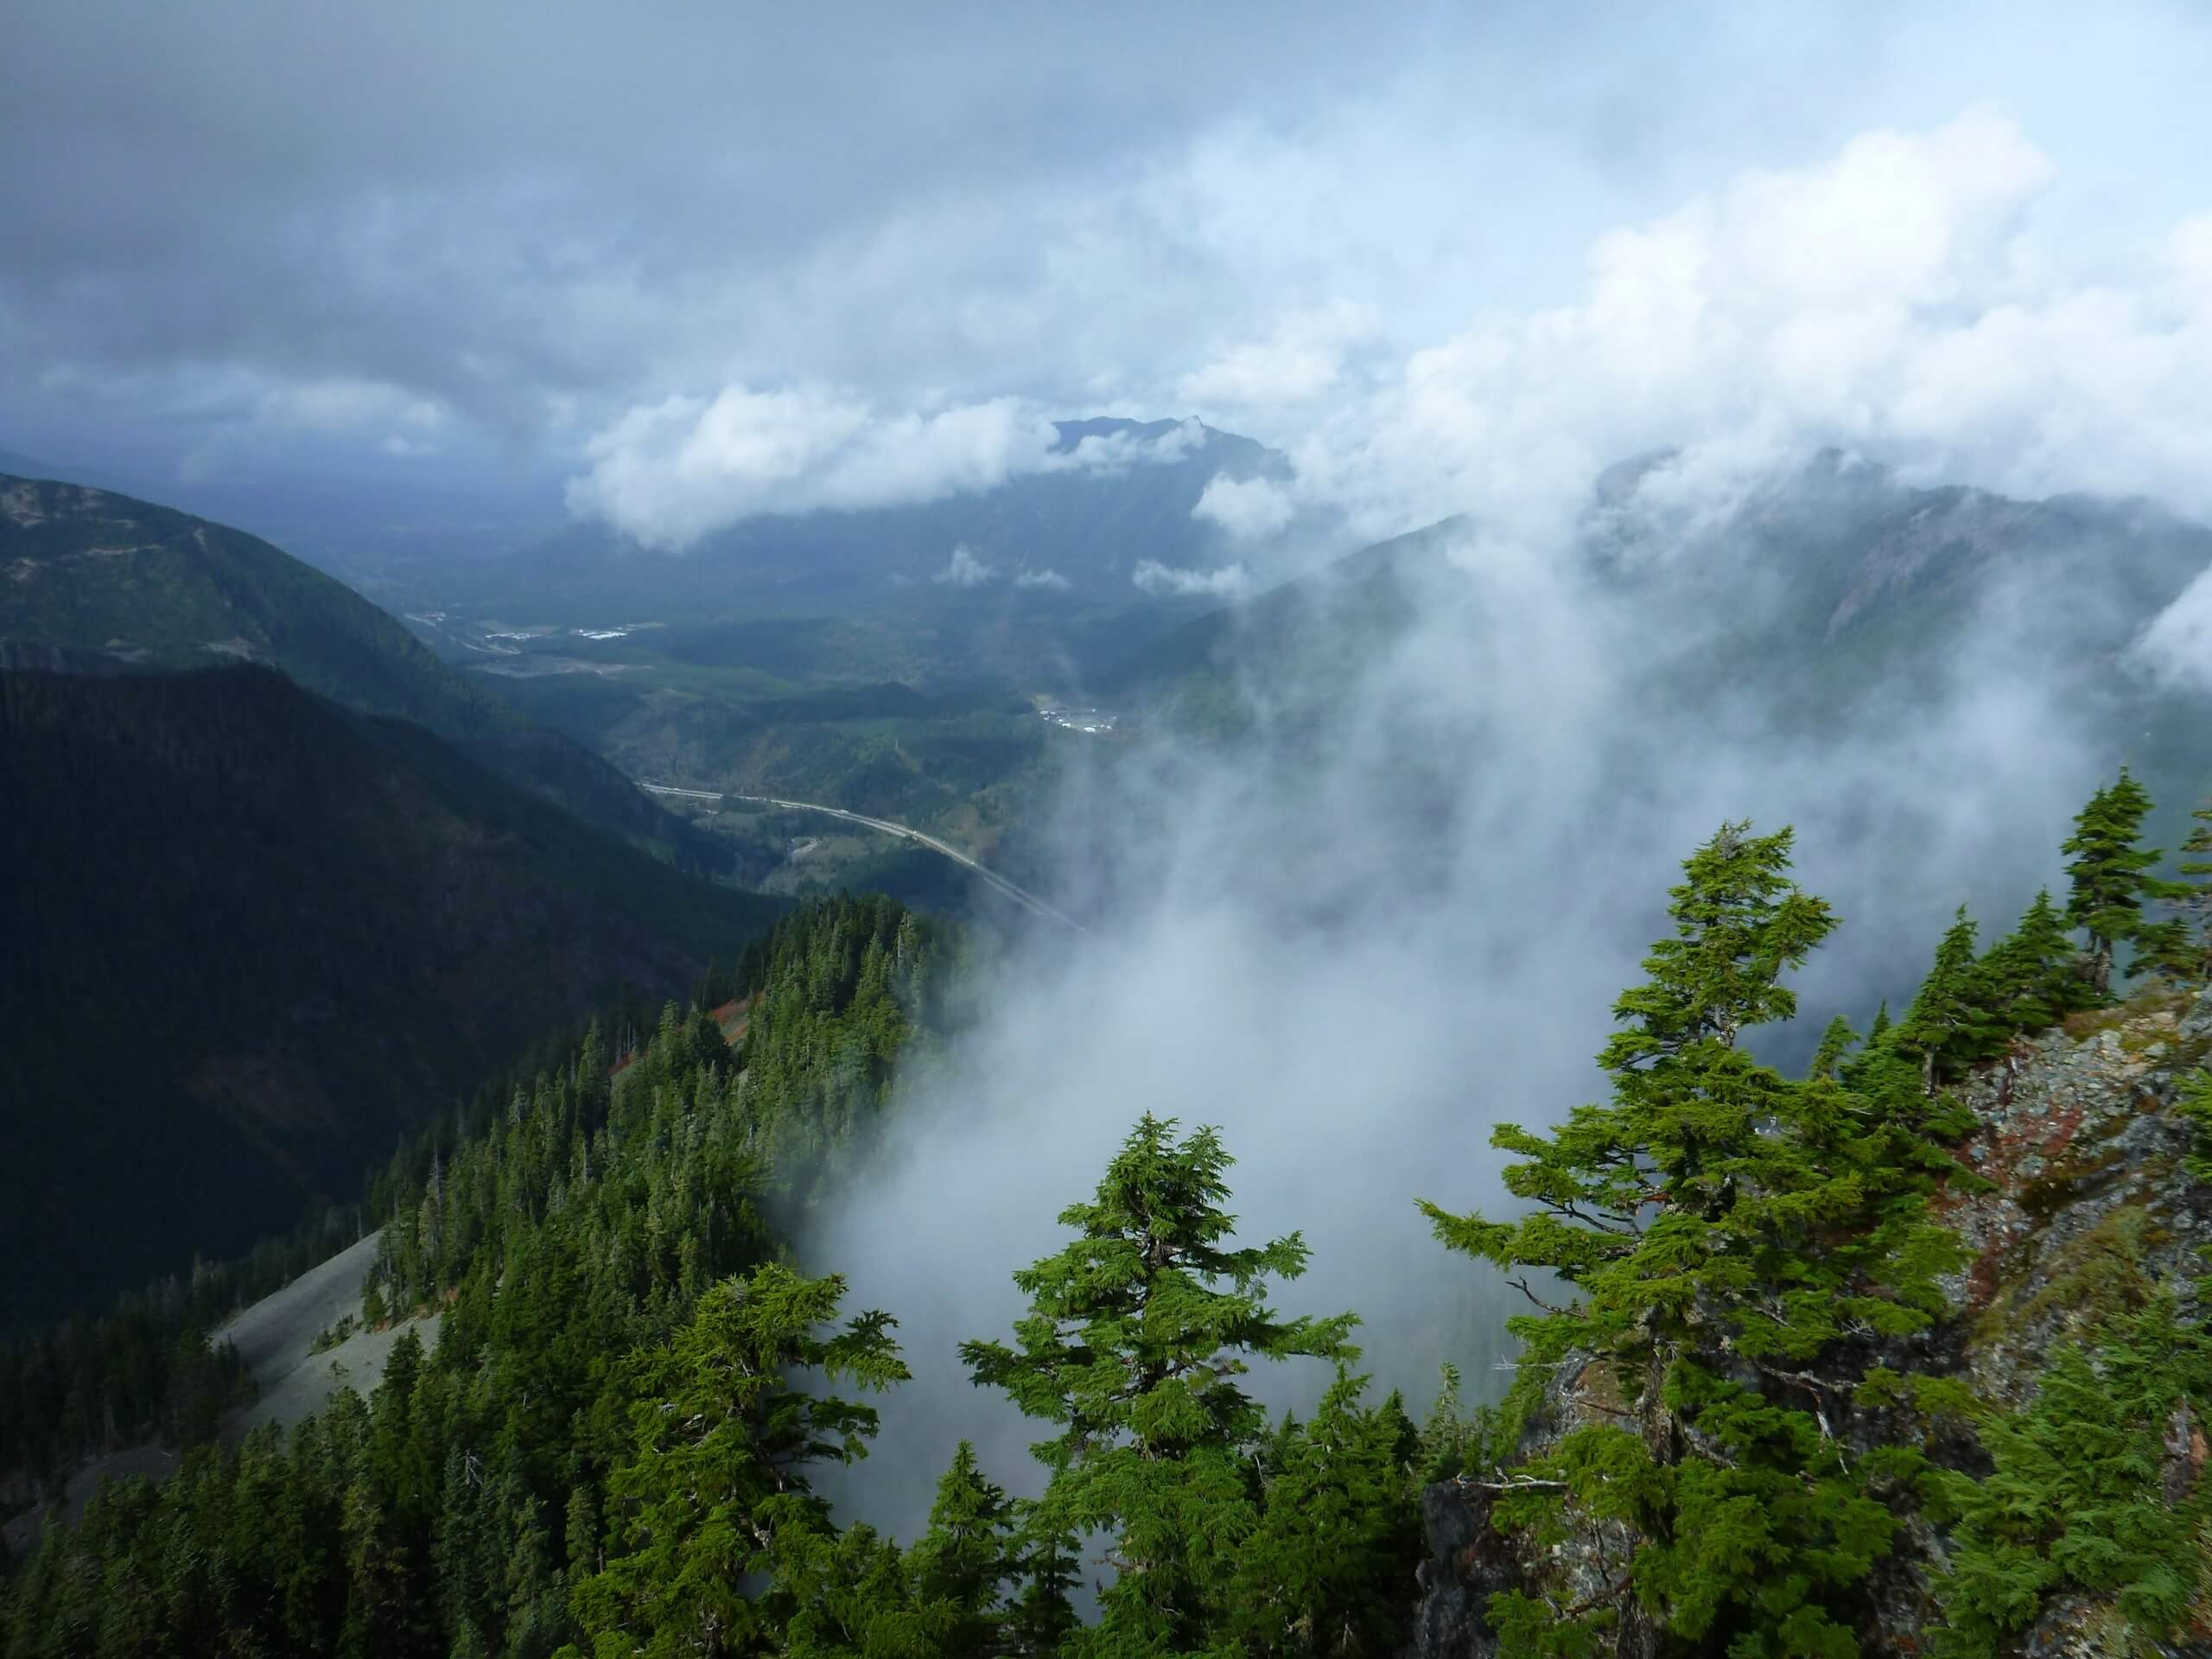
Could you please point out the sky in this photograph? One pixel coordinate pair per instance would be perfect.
(669, 265)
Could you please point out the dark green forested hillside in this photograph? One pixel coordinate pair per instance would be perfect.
(95, 582)
(248, 937)
(1754, 1414)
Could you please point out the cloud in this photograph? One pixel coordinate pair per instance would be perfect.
(668, 473)
(1230, 581)
(1109, 453)
(1047, 579)
(706, 199)
(1248, 509)
(1396, 910)
(1895, 299)
(1299, 359)
(671, 473)
(965, 570)
(2176, 647)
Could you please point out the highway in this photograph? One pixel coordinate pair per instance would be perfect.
(1028, 901)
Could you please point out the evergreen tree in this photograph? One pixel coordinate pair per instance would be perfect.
(1324, 1572)
(1949, 1020)
(2111, 873)
(1134, 1336)
(2034, 976)
(968, 1556)
(2195, 896)
(723, 1444)
(2081, 1494)
(1836, 1044)
(1728, 1237)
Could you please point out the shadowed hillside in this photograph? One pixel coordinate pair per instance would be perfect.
(257, 938)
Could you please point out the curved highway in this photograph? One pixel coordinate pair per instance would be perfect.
(1028, 901)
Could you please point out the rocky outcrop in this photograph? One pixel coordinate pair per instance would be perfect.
(2090, 1209)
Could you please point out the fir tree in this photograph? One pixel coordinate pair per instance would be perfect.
(1836, 1044)
(1726, 1236)
(1134, 1336)
(2194, 897)
(968, 1556)
(1323, 1570)
(2111, 873)
(722, 1445)
(2082, 1493)
(1949, 1019)
(2034, 976)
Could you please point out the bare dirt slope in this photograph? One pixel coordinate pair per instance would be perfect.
(273, 1337)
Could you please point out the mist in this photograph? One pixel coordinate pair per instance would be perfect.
(1369, 931)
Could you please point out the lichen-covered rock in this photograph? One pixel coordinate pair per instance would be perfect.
(2092, 1207)
(2090, 1211)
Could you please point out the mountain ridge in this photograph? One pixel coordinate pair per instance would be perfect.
(93, 582)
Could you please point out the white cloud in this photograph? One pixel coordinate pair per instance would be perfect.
(1895, 299)
(1109, 453)
(1231, 582)
(671, 473)
(1249, 508)
(1050, 579)
(2178, 645)
(965, 570)
(1299, 359)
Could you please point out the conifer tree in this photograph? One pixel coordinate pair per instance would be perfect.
(2111, 873)
(2033, 976)
(1134, 1336)
(1836, 1044)
(1948, 1020)
(2081, 1494)
(723, 1444)
(2195, 896)
(1324, 1572)
(966, 1556)
(1727, 1236)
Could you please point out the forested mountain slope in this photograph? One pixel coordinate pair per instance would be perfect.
(95, 582)
(249, 937)
(1900, 1356)
(92, 580)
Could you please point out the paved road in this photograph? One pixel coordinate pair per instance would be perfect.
(1028, 901)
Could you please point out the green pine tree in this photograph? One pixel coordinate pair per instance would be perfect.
(1134, 1337)
(2195, 896)
(2081, 1494)
(968, 1556)
(723, 1444)
(1324, 1570)
(1836, 1044)
(1949, 1019)
(2111, 873)
(1728, 1238)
